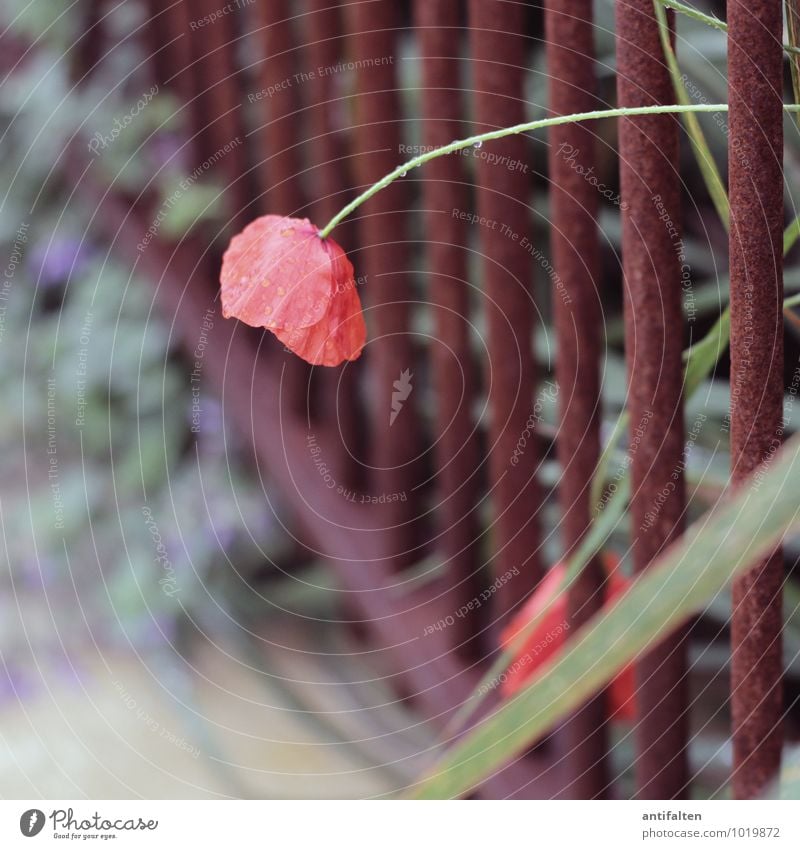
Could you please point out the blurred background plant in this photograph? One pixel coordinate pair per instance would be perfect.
(97, 401)
(84, 578)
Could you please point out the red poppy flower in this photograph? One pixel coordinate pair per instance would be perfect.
(279, 274)
(550, 635)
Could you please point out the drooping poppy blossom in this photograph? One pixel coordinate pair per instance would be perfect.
(550, 635)
(279, 274)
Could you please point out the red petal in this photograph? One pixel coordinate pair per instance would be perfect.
(338, 337)
(277, 273)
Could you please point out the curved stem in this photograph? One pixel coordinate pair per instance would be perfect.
(470, 141)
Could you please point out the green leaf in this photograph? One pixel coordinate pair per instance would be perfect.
(789, 787)
(701, 358)
(186, 209)
(790, 235)
(601, 474)
(725, 542)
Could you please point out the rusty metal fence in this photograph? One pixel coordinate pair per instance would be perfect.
(383, 487)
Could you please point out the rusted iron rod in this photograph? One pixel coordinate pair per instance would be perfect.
(575, 245)
(445, 188)
(373, 29)
(168, 40)
(338, 402)
(503, 190)
(651, 247)
(280, 162)
(323, 49)
(219, 129)
(280, 100)
(89, 47)
(755, 153)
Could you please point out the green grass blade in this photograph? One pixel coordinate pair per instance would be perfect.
(702, 152)
(601, 473)
(725, 542)
(701, 358)
(790, 235)
(789, 785)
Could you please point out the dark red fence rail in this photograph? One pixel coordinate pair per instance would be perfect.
(755, 61)
(577, 315)
(650, 186)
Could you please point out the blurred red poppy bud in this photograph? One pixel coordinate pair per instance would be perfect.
(550, 635)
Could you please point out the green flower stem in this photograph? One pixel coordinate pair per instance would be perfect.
(702, 152)
(471, 141)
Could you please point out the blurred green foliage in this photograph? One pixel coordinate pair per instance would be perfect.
(97, 402)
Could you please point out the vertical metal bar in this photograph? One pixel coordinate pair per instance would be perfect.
(280, 164)
(755, 154)
(281, 97)
(445, 189)
(170, 61)
(324, 45)
(339, 402)
(168, 39)
(89, 46)
(577, 316)
(160, 58)
(499, 67)
(651, 243)
(383, 257)
(220, 132)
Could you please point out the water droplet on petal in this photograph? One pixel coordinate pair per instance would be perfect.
(267, 310)
(281, 290)
(402, 173)
(266, 282)
(478, 143)
(287, 232)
